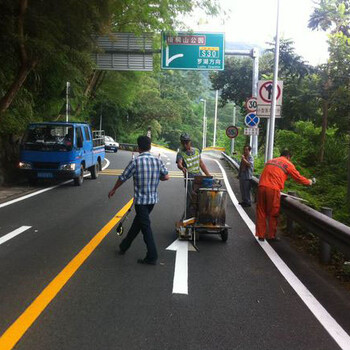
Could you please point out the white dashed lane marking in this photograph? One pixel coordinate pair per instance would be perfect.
(14, 234)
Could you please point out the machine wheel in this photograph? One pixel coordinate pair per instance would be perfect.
(94, 171)
(224, 234)
(32, 181)
(78, 181)
(197, 234)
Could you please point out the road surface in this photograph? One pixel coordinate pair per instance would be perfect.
(64, 287)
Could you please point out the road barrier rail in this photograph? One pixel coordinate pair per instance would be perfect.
(330, 231)
(128, 147)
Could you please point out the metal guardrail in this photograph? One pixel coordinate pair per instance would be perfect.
(128, 147)
(329, 230)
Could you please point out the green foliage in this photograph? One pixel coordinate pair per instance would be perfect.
(330, 189)
(235, 82)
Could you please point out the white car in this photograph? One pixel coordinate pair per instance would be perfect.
(110, 144)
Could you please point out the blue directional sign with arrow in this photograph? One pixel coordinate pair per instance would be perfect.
(193, 51)
(251, 120)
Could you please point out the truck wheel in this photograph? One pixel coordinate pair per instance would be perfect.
(78, 181)
(224, 235)
(94, 171)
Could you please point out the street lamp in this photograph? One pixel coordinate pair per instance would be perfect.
(234, 124)
(271, 120)
(204, 123)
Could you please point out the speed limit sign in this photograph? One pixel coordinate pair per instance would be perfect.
(251, 104)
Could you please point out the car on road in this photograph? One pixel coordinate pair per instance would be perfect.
(110, 144)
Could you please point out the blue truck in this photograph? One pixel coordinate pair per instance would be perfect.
(61, 150)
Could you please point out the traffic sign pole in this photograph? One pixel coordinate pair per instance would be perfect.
(255, 54)
(274, 91)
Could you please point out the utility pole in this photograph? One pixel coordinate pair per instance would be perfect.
(204, 123)
(67, 101)
(101, 119)
(255, 55)
(216, 116)
(234, 124)
(274, 88)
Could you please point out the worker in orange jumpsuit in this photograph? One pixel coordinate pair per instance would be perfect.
(271, 182)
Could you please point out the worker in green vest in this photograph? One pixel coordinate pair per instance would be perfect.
(189, 161)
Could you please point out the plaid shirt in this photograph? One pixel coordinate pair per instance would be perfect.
(146, 171)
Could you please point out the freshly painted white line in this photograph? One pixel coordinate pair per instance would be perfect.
(45, 189)
(106, 165)
(180, 282)
(14, 233)
(322, 315)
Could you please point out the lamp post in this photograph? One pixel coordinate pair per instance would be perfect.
(215, 116)
(204, 123)
(271, 125)
(234, 124)
(67, 101)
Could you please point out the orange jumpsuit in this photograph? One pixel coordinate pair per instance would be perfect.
(271, 182)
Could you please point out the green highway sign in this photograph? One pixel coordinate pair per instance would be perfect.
(193, 51)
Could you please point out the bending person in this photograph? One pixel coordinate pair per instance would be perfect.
(271, 183)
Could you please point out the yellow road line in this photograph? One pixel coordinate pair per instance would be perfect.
(15, 332)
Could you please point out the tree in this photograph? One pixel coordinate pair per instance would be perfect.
(235, 82)
(334, 16)
(41, 32)
(38, 32)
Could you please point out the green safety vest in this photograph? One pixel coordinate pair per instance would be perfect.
(192, 162)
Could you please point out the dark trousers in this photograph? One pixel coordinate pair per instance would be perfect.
(141, 223)
(245, 186)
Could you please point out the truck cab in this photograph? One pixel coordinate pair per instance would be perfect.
(59, 150)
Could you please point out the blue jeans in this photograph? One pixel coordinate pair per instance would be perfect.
(141, 223)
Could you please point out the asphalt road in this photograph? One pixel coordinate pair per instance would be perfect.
(237, 298)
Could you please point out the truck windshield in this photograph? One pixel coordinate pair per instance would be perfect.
(48, 137)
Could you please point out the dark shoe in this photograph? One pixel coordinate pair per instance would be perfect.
(274, 239)
(146, 262)
(262, 239)
(246, 205)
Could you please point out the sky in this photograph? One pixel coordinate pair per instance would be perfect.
(254, 22)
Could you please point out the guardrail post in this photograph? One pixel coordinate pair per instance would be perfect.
(325, 248)
(290, 222)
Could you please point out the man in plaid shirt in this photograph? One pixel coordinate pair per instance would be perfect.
(147, 171)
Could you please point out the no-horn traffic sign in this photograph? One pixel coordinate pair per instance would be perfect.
(232, 132)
